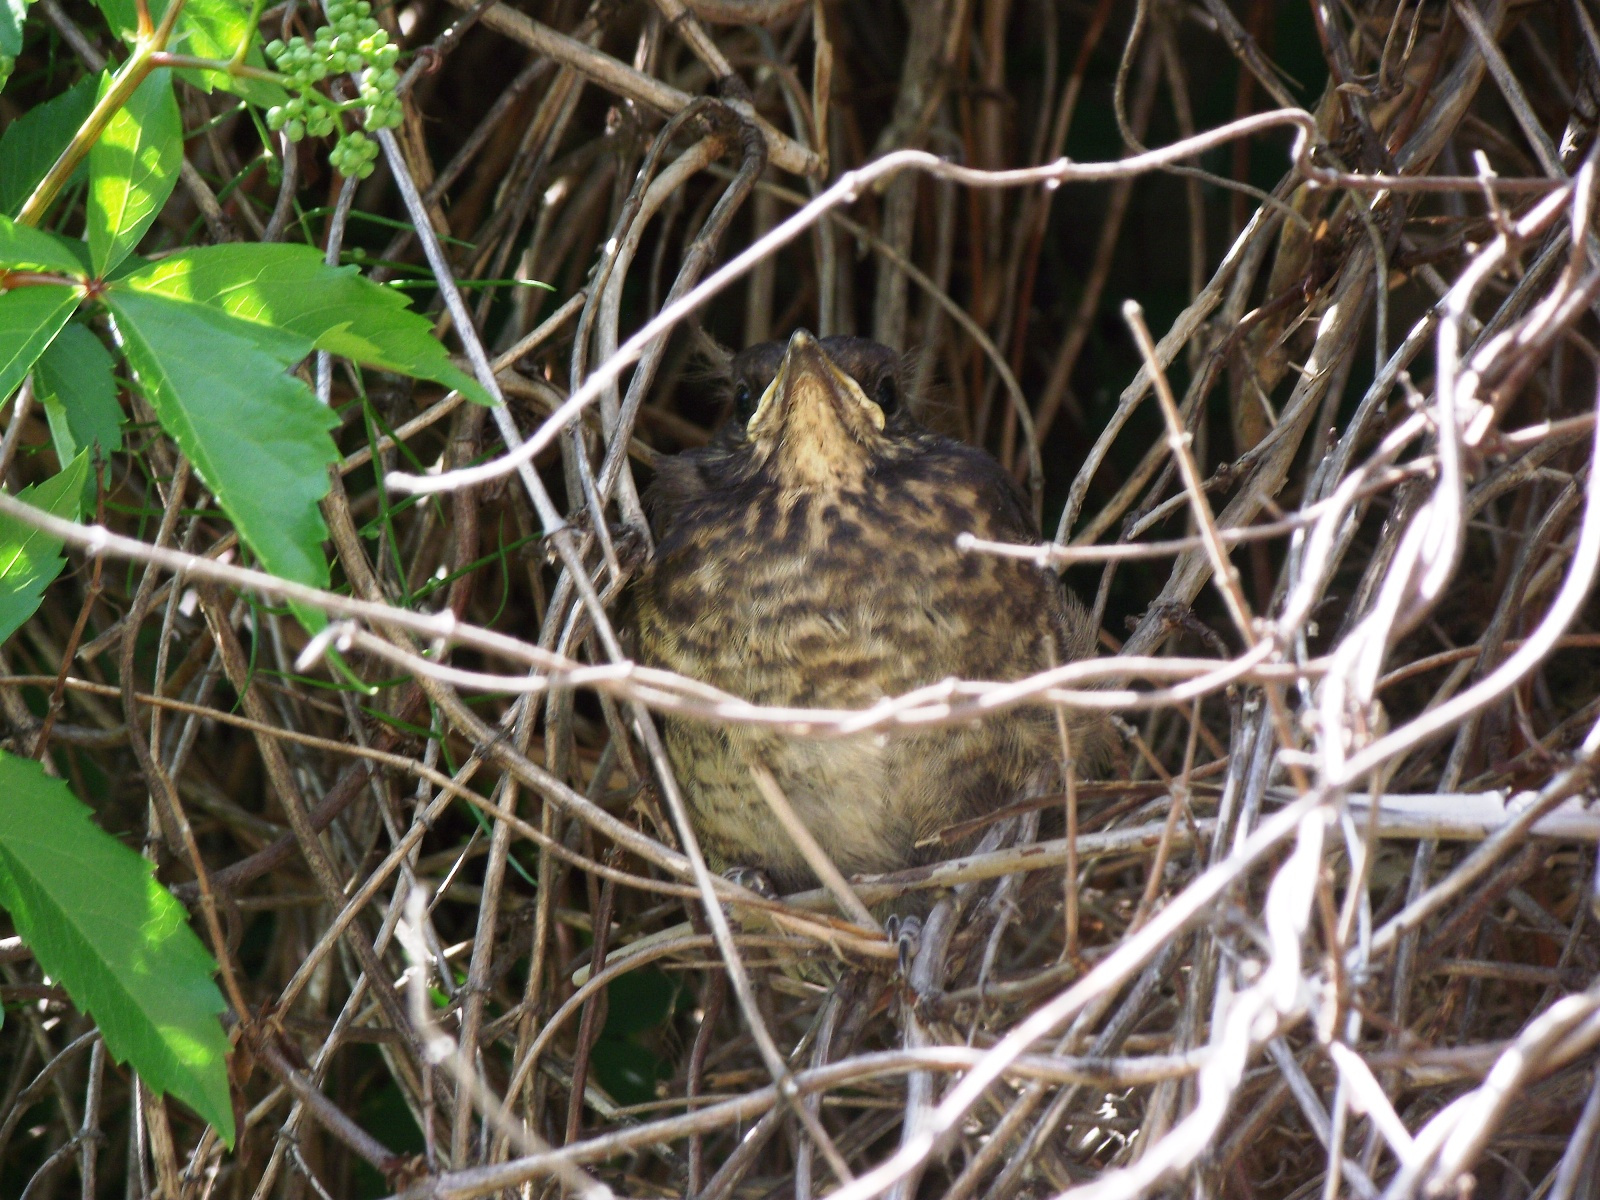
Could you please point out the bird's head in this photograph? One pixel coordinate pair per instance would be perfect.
(816, 413)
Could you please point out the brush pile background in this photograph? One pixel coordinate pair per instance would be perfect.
(1233, 981)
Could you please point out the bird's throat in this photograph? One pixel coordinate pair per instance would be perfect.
(816, 448)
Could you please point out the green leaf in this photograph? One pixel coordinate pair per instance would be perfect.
(12, 14)
(628, 1072)
(32, 143)
(29, 318)
(30, 560)
(96, 919)
(207, 29)
(258, 436)
(23, 248)
(133, 169)
(638, 1001)
(73, 380)
(290, 287)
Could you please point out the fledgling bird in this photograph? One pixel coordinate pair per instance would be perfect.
(807, 557)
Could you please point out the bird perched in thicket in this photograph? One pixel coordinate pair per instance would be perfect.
(807, 557)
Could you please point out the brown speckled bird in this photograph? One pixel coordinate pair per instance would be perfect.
(807, 557)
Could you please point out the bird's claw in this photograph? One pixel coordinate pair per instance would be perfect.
(906, 934)
(753, 879)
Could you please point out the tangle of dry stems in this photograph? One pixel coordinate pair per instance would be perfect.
(1329, 926)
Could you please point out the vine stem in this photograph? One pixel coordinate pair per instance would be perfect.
(126, 81)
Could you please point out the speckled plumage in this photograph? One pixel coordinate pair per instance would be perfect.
(807, 557)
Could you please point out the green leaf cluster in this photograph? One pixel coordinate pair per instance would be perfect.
(210, 335)
(98, 922)
(216, 340)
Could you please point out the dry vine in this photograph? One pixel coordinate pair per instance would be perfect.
(1329, 926)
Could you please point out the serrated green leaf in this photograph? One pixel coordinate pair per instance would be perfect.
(29, 318)
(97, 920)
(73, 380)
(30, 560)
(23, 248)
(12, 14)
(290, 287)
(32, 143)
(133, 168)
(258, 436)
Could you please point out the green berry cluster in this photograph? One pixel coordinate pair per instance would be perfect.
(350, 43)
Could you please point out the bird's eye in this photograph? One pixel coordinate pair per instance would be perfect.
(744, 401)
(887, 395)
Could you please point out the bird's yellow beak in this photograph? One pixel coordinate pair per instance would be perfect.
(810, 390)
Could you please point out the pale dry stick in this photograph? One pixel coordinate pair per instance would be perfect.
(1455, 1137)
(671, 942)
(351, 1011)
(1321, 1124)
(1252, 1018)
(27, 1095)
(697, 257)
(1056, 1069)
(681, 20)
(396, 762)
(1186, 908)
(926, 976)
(844, 993)
(1564, 609)
(1367, 1096)
(453, 400)
(950, 702)
(938, 704)
(1050, 554)
(559, 532)
(811, 850)
(616, 76)
(1340, 325)
(476, 986)
(651, 187)
(161, 789)
(1510, 90)
(440, 1048)
(621, 251)
(89, 1134)
(1223, 572)
(846, 189)
(1512, 833)
(1133, 1004)
(1184, 328)
(1317, 558)
(19, 418)
(1578, 1161)
(1069, 872)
